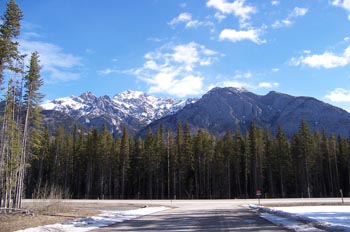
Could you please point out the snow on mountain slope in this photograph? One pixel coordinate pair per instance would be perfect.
(132, 109)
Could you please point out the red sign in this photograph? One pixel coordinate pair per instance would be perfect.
(258, 192)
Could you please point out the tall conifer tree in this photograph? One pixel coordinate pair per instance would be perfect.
(32, 132)
(9, 31)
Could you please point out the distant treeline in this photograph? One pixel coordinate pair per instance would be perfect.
(181, 165)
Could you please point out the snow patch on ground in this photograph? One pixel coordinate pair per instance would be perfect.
(107, 217)
(289, 223)
(308, 218)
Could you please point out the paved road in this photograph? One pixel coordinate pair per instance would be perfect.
(214, 215)
(198, 215)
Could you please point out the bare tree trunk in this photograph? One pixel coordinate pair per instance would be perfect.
(229, 179)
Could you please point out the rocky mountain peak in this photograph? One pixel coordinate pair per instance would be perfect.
(132, 109)
(230, 108)
(130, 94)
(87, 95)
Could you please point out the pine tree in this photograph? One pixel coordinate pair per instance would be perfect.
(32, 131)
(124, 156)
(11, 145)
(238, 156)
(199, 156)
(102, 162)
(92, 154)
(9, 32)
(179, 155)
(203, 149)
(170, 162)
(138, 171)
(10, 138)
(302, 150)
(78, 162)
(38, 169)
(188, 162)
(228, 157)
(106, 166)
(256, 154)
(148, 163)
(160, 163)
(270, 189)
(282, 154)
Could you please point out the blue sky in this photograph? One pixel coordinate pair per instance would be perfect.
(183, 48)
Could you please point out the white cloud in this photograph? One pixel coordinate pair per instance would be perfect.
(239, 74)
(275, 70)
(236, 36)
(174, 69)
(245, 85)
(219, 16)
(339, 95)
(297, 12)
(59, 66)
(108, 71)
(183, 17)
(189, 22)
(268, 85)
(191, 54)
(345, 4)
(275, 3)
(326, 60)
(57, 75)
(181, 87)
(30, 35)
(237, 8)
(282, 23)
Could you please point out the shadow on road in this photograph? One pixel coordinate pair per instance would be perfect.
(214, 220)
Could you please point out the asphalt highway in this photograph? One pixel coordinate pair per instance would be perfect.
(197, 215)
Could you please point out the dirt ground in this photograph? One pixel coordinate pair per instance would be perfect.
(48, 212)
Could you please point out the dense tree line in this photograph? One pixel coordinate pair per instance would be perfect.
(174, 165)
(20, 119)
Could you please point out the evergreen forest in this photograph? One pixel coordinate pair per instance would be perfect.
(181, 165)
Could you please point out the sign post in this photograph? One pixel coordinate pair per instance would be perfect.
(341, 195)
(258, 194)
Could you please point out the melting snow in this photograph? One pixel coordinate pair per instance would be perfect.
(107, 217)
(299, 218)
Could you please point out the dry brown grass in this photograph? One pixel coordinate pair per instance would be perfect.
(13, 222)
(53, 211)
(45, 213)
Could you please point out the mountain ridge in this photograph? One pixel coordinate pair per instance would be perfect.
(130, 109)
(216, 111)
(228, 108)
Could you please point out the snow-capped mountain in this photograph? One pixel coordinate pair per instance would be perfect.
(131, 109)
(216, 111)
